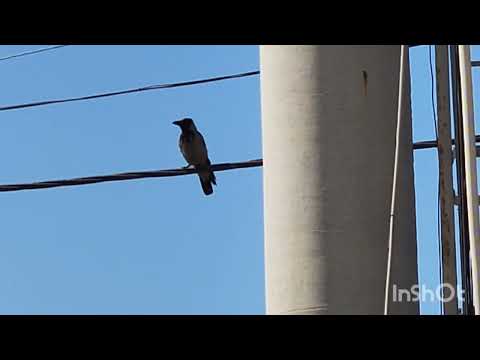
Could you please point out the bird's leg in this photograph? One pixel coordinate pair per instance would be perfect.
(189, 166)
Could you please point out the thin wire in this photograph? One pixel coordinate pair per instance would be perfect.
(129, 91)
(32, 52)
(126, 176)
(158, 173)
(432, 83)
(435, 123)
(403, 55)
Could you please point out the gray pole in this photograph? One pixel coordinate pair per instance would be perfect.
(470, 169)
(328, 123)
(467, 304)
(449, 263)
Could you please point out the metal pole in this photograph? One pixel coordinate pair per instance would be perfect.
(470, 168)
(449, 266)
(460, 165)
(328, 130)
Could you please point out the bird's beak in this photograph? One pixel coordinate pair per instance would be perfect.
(176, 123)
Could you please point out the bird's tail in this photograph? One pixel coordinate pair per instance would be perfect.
(207, 178)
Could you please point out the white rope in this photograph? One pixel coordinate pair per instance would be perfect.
(403, 53)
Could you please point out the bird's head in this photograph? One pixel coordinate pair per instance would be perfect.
(185, 124)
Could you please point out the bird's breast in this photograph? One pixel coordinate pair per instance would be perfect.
(193, 149)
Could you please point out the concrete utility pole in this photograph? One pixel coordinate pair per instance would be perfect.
(328, 120)
(449, 264)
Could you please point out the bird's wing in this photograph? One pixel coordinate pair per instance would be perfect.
(202, 144)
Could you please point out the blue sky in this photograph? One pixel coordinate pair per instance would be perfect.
(154, 246)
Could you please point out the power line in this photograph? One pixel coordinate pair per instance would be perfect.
(129, 91)
(160, 173)
(32, 52)
(126, 176)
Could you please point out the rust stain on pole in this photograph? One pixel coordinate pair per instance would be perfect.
(365, 81)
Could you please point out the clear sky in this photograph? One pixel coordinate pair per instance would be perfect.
(152, 246)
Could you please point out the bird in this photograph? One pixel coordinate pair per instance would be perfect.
(194, 150)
